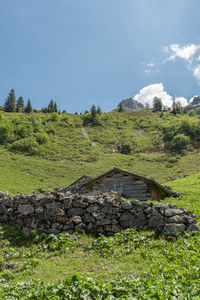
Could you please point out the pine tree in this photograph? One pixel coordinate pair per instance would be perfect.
(55, 107)
(20, 103)
(17, 107)
(99, 111)
(93, 111)
(28, 108)
(10, 103)
(51, 106)
(157, 104)
(120, 108)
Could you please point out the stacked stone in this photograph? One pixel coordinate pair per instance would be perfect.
(107, 214)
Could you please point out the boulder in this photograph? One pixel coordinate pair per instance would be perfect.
(25, 209)
(173, 229)
(169, 212)
(75, 212)
(2, 209)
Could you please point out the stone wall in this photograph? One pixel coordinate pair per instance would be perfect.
(107, 214)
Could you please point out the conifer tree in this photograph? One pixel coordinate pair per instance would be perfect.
(99, 111)
(28, 108)
(17, 107)
(20, 103)
(93, 111)
(120, 108)
(157, 104)
(10, 103)
(55, 107)
(51, 106)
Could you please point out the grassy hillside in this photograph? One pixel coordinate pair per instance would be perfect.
(46, 150)
(128, 265)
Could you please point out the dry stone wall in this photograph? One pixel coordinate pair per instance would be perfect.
(107, 214)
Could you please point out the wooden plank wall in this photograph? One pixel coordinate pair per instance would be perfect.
(129, 186)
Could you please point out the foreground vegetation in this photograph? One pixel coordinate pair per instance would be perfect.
(130, 265)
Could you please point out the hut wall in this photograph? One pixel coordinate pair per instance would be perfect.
(129, 186)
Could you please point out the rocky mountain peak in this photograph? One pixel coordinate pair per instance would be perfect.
(131, 105)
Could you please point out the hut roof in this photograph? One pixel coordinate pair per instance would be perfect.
(116, 170)
(83, 180)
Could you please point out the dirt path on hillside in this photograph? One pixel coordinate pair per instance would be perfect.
(86, 135)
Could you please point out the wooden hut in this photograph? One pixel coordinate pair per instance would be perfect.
(128, 184)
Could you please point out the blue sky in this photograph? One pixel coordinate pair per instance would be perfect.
(84, 52)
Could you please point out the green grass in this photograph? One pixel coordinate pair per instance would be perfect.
(130, 263)
(38, 151)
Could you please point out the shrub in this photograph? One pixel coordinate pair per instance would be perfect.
(5, 132)
(28, 145)
(180, 143)
(192, 113)
(23, 131)
(41, 137)
(54, 117)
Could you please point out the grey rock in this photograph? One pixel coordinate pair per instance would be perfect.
(131, 105)
(98, 216)
(161, 205)
(67, 203)
(25, 209)
(93, 208)
(173, 229)
(91, 199)
(2, 209)
(53, 230)
(103, 222)
(90, 227)
(76, 219)
(126, 205)
(109, 209)
(156, 221)
(176, 219)
(53, 204)
(88, 218)
(193, 227)
(9, 203)
(53, 213)
(68, 226)
(39, 210)
(127, 220)
(34, 223)
(80, 227)
(39, 197)
(75, 212)
(114, 222)
(169, 212)
(112, 228)
(80, 204)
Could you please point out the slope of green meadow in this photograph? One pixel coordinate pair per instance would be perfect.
(46, 150)
(130, 265)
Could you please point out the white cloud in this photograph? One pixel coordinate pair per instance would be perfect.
(147, 94)
(182, 100)
(186, 52)
(196, 73)
(150, 65)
